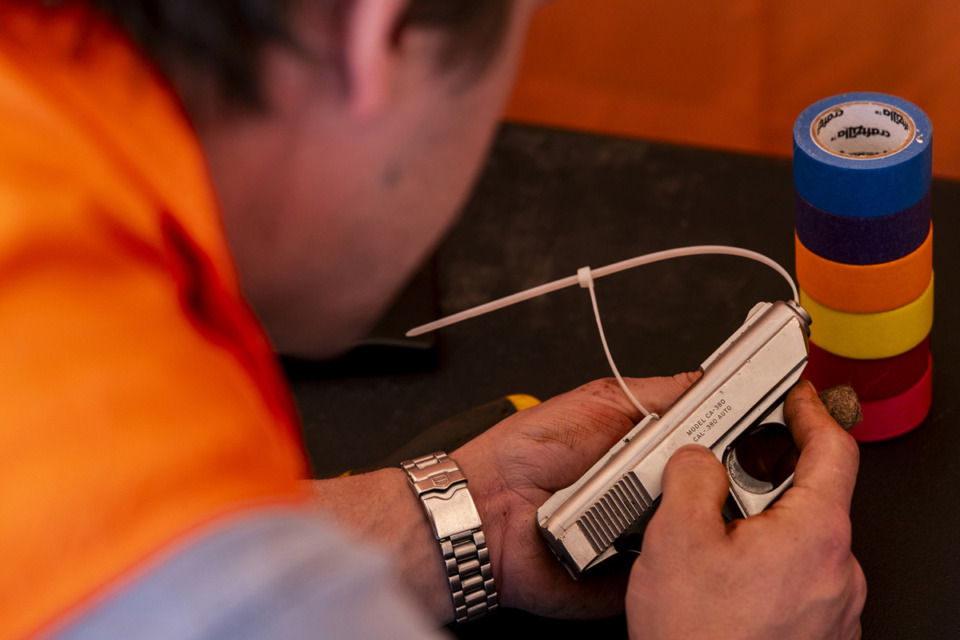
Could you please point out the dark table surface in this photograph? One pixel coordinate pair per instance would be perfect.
(550, 202)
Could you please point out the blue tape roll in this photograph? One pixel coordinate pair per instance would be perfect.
(862, 240)
(862, 154)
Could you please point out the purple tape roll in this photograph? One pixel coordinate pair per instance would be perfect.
(855, 240)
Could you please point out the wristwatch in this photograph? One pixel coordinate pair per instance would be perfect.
(442, 489)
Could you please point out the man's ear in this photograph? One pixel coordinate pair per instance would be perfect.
(371, 53)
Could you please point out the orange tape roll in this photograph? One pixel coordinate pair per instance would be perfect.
(865, 288)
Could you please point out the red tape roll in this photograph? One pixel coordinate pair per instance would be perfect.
(892, 417)
(872, 379)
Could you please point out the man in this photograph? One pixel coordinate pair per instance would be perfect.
(153, 475)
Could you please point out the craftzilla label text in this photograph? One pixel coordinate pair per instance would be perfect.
(897, 118)
(827, 118)
(861, 131)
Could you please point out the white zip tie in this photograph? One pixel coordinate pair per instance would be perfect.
(585, 277)
(563, 283)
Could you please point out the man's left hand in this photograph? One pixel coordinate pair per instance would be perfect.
(513, 468)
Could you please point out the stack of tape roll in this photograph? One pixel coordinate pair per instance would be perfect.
(862, 166)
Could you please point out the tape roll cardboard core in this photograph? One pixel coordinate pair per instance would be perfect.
(863, 130)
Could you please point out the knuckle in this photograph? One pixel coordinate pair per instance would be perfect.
(686, 378)
(850, 446)
(836, 534)
(601, 387)
(672, 529)
(860, 587)
(835, 561)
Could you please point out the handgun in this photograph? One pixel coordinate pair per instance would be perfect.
(739, 394)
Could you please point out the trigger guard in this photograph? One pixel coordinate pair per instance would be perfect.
(751, 504)
(751, 495)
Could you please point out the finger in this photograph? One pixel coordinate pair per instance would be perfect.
(579, 427)
(828, 455)
(601, 406)
(695, 487)
(659, 394)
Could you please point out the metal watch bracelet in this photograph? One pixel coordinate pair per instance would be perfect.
(442, 489)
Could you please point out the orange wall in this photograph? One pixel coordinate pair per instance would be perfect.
(736, 74)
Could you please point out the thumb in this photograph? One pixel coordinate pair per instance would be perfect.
(695, 488)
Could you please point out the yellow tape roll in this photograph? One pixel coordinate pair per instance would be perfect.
(868, 336)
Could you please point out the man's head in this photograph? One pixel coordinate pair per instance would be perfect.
(342, 139)
(223, 40)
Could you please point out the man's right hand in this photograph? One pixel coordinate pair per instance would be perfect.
(785, 573)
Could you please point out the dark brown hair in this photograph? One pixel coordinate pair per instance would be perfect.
(226, 37)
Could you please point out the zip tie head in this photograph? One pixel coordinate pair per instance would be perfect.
(585, 277)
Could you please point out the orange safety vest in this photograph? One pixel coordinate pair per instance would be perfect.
(139, 398)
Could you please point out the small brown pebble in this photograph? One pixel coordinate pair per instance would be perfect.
(842, 404)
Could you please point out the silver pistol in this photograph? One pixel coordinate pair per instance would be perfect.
(741, 392)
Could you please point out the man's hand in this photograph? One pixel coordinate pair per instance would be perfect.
(514, 467)
(785, 573)
(511, 470)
